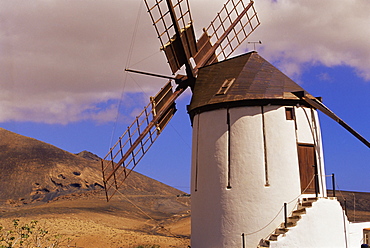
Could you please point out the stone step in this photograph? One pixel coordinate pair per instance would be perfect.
(299, 212)
(291, 222)
(274, 237)
(264, 243)
(313, 199)
(306, 204)
(281, 230)
(294, 218)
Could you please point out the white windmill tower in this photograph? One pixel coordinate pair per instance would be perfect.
(256, 135)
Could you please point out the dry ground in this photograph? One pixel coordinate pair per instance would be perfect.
(63, 191)
(93, 223)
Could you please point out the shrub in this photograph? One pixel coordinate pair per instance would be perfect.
(30, 235)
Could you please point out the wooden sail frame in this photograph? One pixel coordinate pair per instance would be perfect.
(172, 21)
(228, 30)
(131, 147)
(174, 26)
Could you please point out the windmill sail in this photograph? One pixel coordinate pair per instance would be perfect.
(174, 26)
(169, 20)
(230, 28)
(137, 139)
(312, 101)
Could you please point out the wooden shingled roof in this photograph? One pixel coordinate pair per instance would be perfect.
(248, 79)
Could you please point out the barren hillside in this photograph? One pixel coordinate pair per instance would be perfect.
(63, 191)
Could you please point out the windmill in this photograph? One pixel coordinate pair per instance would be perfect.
(256, 135)
(174, 26)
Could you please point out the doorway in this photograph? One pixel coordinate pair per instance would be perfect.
(307, 167)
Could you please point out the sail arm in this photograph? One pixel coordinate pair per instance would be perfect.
(173, 24)
(312, 101)
(138, 138)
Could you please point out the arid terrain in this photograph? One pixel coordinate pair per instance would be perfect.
(64, 193)
(356, 204)
(91, 222)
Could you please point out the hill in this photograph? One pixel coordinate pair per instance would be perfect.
(36, 171)
(356, 204)
(33, 171)
(64, 192)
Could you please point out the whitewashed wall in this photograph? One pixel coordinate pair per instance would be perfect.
(323, 225)
(309, 131)
(355, 233)
(253, 207)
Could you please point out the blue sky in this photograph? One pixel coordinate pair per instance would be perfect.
(62, 79)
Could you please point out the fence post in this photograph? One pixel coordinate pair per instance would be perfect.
(333, 181)
(243, 240)
(286, 215)
(317, 185)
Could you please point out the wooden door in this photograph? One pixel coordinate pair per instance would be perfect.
(307, 164)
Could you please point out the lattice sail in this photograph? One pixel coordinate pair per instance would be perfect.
(138, 138)
(230, 28)
(160, 13)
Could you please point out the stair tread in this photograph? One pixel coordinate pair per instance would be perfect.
(292, 221)
(309, 200)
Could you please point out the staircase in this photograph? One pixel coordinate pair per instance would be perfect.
(292, 222)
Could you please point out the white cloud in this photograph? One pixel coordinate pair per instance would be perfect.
(303, 33)
(60, 60)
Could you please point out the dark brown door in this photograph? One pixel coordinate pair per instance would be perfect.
(307, 164)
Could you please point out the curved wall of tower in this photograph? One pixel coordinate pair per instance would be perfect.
(245, 166)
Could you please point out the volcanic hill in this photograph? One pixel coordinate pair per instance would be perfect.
(64, 191)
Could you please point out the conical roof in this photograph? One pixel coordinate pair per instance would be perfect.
(248, 79)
